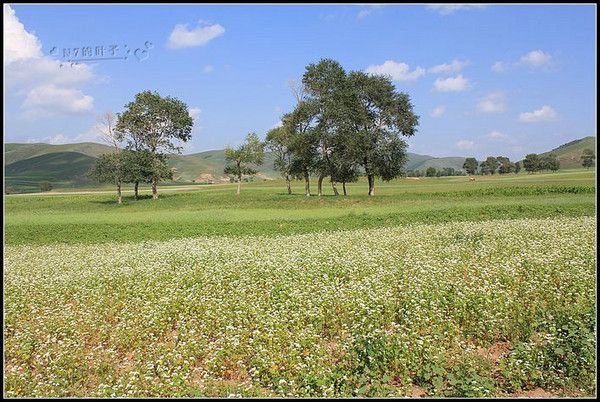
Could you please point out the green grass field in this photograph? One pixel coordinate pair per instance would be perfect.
(264, 208)
(435, 286)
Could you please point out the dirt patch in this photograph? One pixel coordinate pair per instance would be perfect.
(494, 352)
(208, 178)
(535, 393)
(417, 392)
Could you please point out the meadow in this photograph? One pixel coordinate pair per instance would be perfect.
(434, 287)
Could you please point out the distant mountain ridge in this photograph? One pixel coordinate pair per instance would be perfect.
(65, 165)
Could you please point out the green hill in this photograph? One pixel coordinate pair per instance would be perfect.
(62, 169)
(569, 154)
(455, 162)
(15, 152)
(27, 165)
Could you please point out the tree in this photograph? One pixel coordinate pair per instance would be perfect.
(517, 167)
(301, 124)
(279, 141)
(587, 158)
(484, 168)
(492, 164)
(240, 159)
(549, 162)
(325, 84)
(505, 165)
(45, 186)
(378, 116)
(430, 172)
(470, 165)
(531, 163)
(155, 124)
(109, 168)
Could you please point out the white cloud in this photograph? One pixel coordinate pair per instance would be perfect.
(368, 11)
(500, 67)
(438, 111)
(195, 113)
(496, 136)
(536, 58)
(199, 36)
(453, 67)
(48, 89)
(18, 43)
(397, 71)
(458, 83)
(208, 69)
(545, 113)
(447, 9)
(50, 99)
(533, 59)
(465, 144)
(493, 103)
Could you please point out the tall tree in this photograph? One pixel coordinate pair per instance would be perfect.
(279, 141)
(492, 164)
(517, 167)
(379, 115)
(470, 165)
(326, 85)
(531, 163)
(549, 162)
(505, 165)
(587, 158)
(240, 160)
(110, 168)
(430, 172)
(484, 168)
(301, 123)
(109, 135)
(155, 124)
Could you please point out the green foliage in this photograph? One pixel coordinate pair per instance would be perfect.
(471, 165)
(430, 172)
(45, 186)
(531, 163)
(549, 162)
(240, 159)
(587, 158)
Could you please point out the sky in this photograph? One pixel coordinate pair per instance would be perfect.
(484, 80)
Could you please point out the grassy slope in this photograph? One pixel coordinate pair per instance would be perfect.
(189, 167)
(569, 154)
(16, 152)
(63, 169)
(264, 208)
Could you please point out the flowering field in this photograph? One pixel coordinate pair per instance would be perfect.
(451, 309)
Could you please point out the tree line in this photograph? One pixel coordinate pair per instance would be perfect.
(344, 124)
(503, 165)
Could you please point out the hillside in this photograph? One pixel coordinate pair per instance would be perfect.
(62, 169)
(27, 165)
(569, 154)
(15, 152)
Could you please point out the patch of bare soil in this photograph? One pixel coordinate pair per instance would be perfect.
(417, 392)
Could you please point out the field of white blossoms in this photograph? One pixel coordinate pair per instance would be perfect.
(456, 309)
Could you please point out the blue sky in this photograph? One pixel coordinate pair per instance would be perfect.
(485, 80)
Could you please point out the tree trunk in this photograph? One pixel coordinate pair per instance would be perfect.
(344, 187)
(333, 186)
(119, 196)
(320, 185)
(289, 184)
(135, 190)
(306, 184)
(239, 187)
(154, 192)
(371, 184)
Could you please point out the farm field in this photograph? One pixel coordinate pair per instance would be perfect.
(434, 287)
